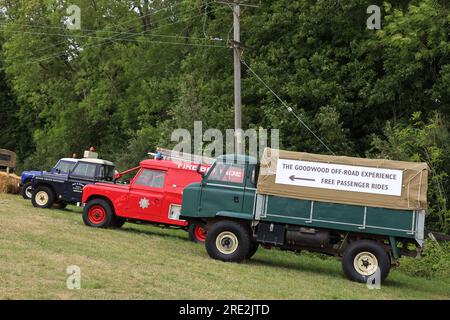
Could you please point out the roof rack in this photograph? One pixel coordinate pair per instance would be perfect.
(183, 156)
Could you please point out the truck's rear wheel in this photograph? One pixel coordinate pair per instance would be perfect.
(197, 232)
(27, 191)
(43, 198)
(98, 213)
(363, 258)
(228, 241)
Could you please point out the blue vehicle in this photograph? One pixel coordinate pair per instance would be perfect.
(58, 190)
(62, 167)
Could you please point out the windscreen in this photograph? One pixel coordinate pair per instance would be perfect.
(65, 166)
(226, 172)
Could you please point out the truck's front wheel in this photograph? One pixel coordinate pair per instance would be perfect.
(363, 258)
(228, 241)
(43, 198)
(98, 213)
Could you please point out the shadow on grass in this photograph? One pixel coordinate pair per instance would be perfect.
(415, 284)
(70, 209)
(299, 265)
(155, 232)
(331, 271)
(152, 230)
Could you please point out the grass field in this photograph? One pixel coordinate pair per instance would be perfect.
(143, 262)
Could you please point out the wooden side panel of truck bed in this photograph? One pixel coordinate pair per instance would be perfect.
(352, 218)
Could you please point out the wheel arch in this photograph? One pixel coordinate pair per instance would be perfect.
(245, 223)
(43, 184)
(350, 237)
(211, 221)
(104, 198)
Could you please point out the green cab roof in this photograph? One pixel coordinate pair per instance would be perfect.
(238, 158)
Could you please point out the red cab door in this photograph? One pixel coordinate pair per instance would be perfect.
(146, 197)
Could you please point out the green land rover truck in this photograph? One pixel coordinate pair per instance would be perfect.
(366, 212)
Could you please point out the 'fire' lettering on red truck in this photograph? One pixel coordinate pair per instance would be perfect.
(193, 166)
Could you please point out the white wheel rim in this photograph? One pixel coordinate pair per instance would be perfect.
(365, 263)
(28, 192)
(41, 198)
(227, 242)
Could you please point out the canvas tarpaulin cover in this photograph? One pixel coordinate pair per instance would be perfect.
(346, 180)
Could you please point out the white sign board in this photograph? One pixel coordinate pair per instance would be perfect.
(339, 177)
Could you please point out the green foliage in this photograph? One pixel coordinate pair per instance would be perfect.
(146, 139)
(434, 263)
(120, 86)
(428, 142)
(14, 135)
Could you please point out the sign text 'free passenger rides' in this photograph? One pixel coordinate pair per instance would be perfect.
(339, 177)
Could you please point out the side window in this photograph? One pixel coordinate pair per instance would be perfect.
(225, 172)
(106, 172)
(85, 170)
(101, 172)
(151, 178)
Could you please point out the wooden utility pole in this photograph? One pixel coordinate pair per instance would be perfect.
(237, 51)
(237, 79)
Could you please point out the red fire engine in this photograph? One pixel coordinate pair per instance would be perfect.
(153, 196)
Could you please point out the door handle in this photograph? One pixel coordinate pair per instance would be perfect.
(236, 199)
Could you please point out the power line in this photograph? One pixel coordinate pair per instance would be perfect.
(129, 40)
(90, 31)
(170, 6)
(116, 32)
(120, 24)
(289, 109)
(106, 40)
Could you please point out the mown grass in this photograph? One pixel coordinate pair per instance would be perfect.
(143, 262)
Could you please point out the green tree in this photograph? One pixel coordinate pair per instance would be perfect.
(427, 142)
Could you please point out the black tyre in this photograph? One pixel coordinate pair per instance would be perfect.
(118, 222)
(362, 259)
(43, 197)
(253, 248)
(98, 214)
(26, 191)
(197, 232)
(228, 241)
(60, 205)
